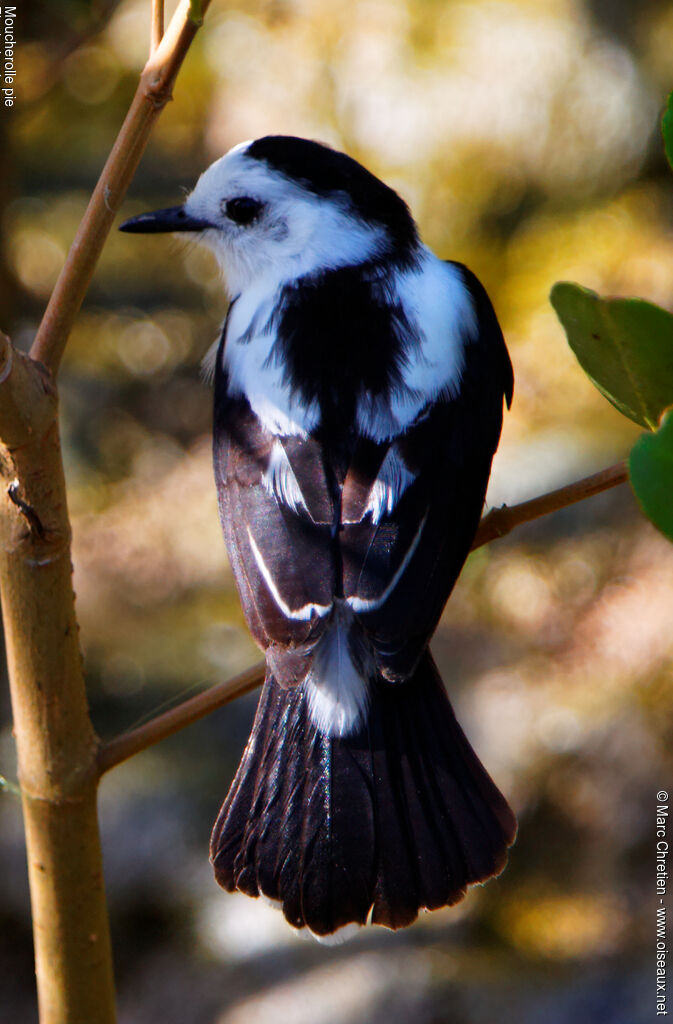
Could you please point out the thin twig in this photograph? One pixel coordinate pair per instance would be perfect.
(152, 94)
(130, 743)
(501, 521)
(498, 523)
(157, 29)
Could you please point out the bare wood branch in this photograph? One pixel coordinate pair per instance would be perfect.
(56, 745)
(498, 523)
(152, 94)
(157, 28)
(55, 741)
(501, 521)
(125, 746)
(27, 398)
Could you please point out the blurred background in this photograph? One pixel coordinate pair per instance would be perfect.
(525, 137)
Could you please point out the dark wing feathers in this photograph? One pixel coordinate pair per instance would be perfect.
(253, 517)
(397, 572)
(305, 456)
(490, 334)
(449, 449)
(271, 547)
(414, 817)
(363, 469)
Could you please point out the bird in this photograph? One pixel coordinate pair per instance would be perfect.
(359, 391)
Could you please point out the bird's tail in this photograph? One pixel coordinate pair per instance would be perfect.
(400, 815)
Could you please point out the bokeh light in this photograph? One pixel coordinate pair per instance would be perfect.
(524, 135)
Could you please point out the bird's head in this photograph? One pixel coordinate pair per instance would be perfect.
(280, 208)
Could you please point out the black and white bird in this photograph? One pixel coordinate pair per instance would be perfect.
(359, 386)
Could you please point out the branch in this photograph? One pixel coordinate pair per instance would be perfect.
(157, 29)
(123, 747)
(498, 523)
(57, 750)
(152, 94)
(501, 521)
(27, 400)
(55, 742)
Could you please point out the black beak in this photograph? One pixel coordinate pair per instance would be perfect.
(174, 218)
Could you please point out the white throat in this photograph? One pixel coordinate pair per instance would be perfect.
(300, 233)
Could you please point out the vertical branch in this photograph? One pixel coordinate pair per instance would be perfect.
(55, 741)
(56, 744)
(157, 29)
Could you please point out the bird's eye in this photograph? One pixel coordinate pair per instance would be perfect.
(243, 210)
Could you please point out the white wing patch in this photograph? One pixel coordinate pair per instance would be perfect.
(209, 363)
(365, 604)
(338, 694)
(391, 483)
(253, 371)
(440, 310)
(280, 480)
(302, 614)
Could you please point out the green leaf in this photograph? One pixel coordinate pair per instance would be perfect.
(624, 345)
(651, 475)
(196, 12)
(667, 129)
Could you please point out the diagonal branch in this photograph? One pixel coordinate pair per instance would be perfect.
(501, 521)
(152, 94)
(164, 725)
(498, 523)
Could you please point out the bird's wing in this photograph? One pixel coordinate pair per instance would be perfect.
(278, 533)
(407, 531)
(387, 534)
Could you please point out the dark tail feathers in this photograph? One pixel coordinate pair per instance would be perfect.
(400, 816)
